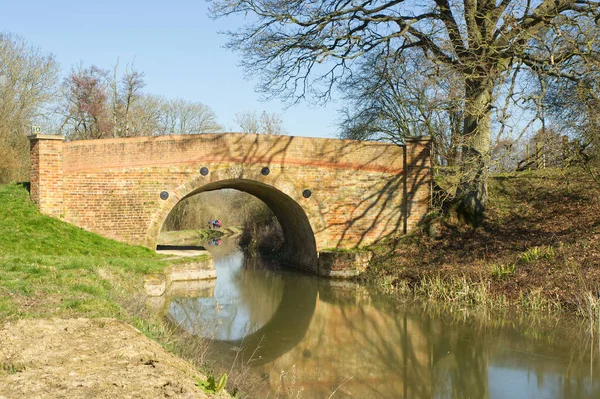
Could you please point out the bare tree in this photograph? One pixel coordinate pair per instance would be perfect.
(266, 123)
(96, 104)
(391, 101)
(302, 49)
(28, 80)
(145, 116)
(131, 84)
(85, 105)
(185, 117)
(248, 122)
(573, 108)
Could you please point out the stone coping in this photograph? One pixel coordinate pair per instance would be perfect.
(46, 137)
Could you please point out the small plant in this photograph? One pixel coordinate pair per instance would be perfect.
(536, 253)
(501, 270)
(12, 368)
(212, 385)
(590, 309)
(386, 284)
(535, 300)
(459, 290)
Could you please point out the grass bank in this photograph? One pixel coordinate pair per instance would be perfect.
(538, 250)
(49, 268)
(190, 236)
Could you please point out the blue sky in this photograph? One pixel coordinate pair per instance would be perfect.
(174, 42)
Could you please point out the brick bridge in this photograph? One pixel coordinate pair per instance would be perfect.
(326, 193)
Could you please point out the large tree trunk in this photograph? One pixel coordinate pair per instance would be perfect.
(472, 189)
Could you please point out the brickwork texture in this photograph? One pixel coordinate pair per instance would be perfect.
(326, 193)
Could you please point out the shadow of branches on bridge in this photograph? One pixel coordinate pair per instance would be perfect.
(351, 193)
(389, 204)
(325, 192)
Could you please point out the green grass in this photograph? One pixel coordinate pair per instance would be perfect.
(52, 268)
(25, 231)
(536, 253)
(500, 270)
(49, 268)
(190, 259)
(194, 237)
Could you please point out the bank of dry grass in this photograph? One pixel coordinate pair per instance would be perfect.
(538, 250)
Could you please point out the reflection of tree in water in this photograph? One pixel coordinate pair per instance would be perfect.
(390, 351)
(459, 361)
(191, 315)
(461, 355)
(228, 247)
(468, 359)
(376, 353)
(373, 353)
(393, 352)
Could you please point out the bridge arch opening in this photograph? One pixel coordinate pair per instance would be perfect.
(299, 248)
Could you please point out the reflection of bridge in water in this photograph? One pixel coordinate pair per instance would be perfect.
(284, 329)
(331, 332)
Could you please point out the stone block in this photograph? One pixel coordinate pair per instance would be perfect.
(343, 264)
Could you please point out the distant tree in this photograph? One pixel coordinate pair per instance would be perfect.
(97, 104)
(549, 148)
(28, 80)
(264, 124)
(301, 49)
(85, 108)
(248, 122)
(124, 98)
(573, 107)
(145, 116)
(185, 117)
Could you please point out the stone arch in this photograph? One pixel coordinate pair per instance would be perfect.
(300, 248)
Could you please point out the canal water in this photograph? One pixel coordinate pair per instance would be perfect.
(309, 337)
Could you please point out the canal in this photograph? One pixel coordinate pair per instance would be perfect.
(304, 336)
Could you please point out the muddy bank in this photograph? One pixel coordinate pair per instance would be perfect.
(89, 358)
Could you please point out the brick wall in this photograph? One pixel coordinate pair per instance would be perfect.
(46, 176)
(358, 190)
(418, 180)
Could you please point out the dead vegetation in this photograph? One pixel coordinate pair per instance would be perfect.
(538, 249)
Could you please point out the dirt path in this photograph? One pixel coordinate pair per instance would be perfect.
(83, 358)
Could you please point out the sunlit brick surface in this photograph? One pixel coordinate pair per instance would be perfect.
(361, 192)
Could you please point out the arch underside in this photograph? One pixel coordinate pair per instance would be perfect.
(300, 249)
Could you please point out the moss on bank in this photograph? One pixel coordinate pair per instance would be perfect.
(538, 250)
